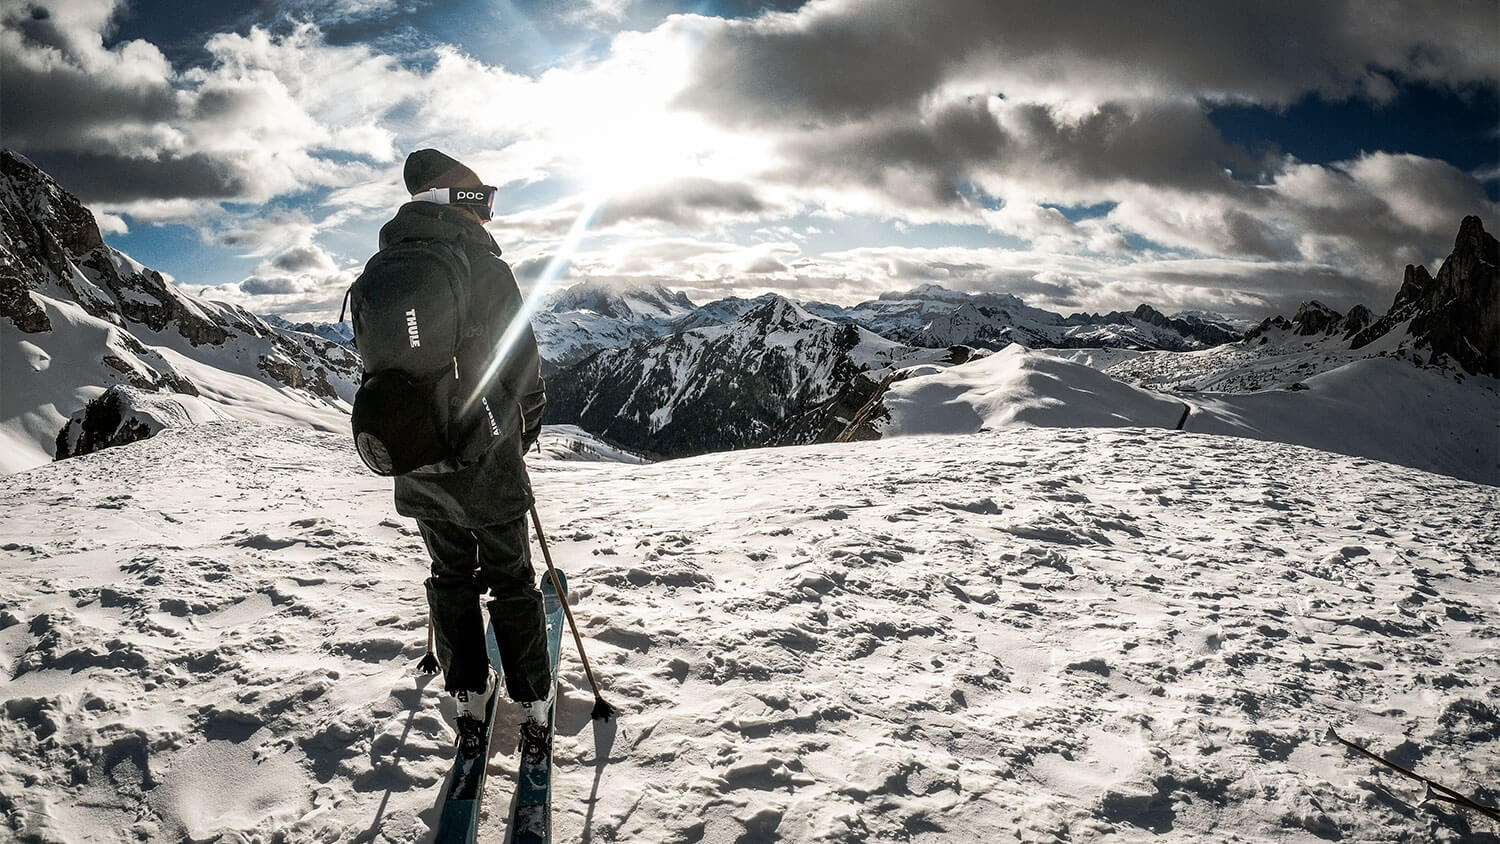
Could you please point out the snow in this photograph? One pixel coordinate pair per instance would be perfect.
(1382, 408)
(51, 375)
(1016, 386)
(1030, 634)
(570, 442)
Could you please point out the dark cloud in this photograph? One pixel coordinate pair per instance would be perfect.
(301, 259)
(52, 104)
(847, 60)
(765, 266)
(1280, 286)
(1169, 145)
(930, 160)
(684, 202)
(260, 286)
(114, 178)
(911, 158)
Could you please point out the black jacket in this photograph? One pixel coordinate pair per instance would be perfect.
(495, 488)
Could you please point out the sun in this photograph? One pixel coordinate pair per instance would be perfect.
(618, 129)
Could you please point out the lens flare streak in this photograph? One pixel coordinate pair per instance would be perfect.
(521, 322)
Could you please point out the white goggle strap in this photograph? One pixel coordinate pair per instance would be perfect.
(438, 195)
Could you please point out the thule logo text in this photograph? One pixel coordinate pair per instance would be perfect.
(411, 329)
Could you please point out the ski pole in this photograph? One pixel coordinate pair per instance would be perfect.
(1434, 789)
(602, 710)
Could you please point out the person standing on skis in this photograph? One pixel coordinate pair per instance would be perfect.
(472, 512)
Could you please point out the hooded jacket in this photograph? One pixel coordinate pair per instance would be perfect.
(495, 487)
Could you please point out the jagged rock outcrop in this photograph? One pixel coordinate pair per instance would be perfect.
(1205, 332)
(1316, 318)
(1357, 320)
(1455, 314)
(1415, 285)
(122, 415)
(1462, 314)
(1313, 319)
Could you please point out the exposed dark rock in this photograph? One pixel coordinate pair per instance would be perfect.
(1312, 319)
(1316, 318)
(105, 422)
(1457, 313)
(1415, 287)
(1461, 317)
(292, 375)
(1205, 332)
(1357, 320)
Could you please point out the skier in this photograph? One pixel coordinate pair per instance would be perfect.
(472, 513)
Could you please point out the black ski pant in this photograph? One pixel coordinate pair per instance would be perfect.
(466, 563)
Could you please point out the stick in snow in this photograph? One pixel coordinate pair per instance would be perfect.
(1434, 790)
(602, 710)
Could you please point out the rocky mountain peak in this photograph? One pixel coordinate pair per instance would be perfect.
(630, 301)
(1460, 316)
(775, 312)
(1455, 314)
(1316, 318)
(1358, 318)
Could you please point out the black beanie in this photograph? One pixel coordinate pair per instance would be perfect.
(428, 168)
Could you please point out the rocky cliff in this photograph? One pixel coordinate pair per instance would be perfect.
(77, 317)
(1455, 314)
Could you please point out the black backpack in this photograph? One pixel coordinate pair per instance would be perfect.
(410, 309)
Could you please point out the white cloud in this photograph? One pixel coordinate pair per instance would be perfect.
(111, 224)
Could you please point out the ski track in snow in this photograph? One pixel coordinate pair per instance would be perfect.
(1028, 634)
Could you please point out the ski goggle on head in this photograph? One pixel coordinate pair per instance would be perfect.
(480, 200)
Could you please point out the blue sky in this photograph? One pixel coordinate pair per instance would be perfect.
(1220, 156)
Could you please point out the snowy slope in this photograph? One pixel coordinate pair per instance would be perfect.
(1029, 634)
(1382, 408)
(1019, 387)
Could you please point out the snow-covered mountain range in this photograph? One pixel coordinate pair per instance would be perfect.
(774, 375)
(1416, 386)
(648, 369)
(655, 374)
(77, 317)
(591, 316)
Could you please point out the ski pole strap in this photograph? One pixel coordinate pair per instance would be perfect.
(1442, 792)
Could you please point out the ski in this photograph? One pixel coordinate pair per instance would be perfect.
(464, 787)
(531, 822)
